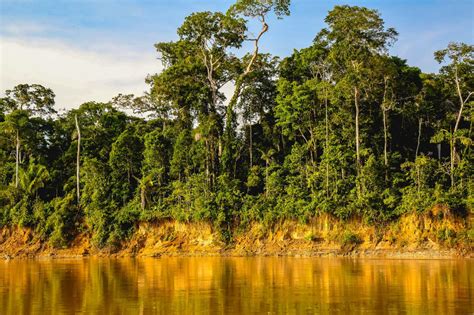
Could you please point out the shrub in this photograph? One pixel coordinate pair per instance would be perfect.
(350, 238)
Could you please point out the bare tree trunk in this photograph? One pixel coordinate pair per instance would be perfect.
(359, 187)
(143, 196)
(212, 63)
(17, 158)
(266, 177)
(357, 137)
(208, 178)
(212, 162)
(385, 110)
(238, 87)
(385, 138)
(461, 101)
(458, 120)
(327, 144)
(452, 152)
(418, 179)
(314, 152)
(420, 122)
(78, 161)
(250, 145)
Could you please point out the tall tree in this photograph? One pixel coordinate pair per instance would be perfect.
(460, 73)
(356, 36)
(78, 160)
(214, 34)
(254, 9)
(32, 100)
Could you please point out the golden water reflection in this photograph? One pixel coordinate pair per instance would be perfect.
(213, 285)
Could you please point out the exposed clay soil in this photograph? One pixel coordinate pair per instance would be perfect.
(413, 236)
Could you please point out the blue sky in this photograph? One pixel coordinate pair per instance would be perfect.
(95, 49)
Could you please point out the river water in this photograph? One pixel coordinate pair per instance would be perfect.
(234, 285)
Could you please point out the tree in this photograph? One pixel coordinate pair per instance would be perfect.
(257, 98)
(78, 160)
(356, 36)
(155, 168)
(460, 72)
(31, 99)
(424, 106)
(339, 127)
(125, 164)
(258, 9)
(214, 34)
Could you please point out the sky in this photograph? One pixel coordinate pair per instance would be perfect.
(91, 50)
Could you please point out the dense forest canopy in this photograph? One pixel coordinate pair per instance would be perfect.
(340, 127)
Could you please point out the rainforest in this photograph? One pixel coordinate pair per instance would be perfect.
(338, 143)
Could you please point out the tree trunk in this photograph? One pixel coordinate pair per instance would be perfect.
(458, 120)
(461, 101)
(313, 147)
(266, 178)
(418, 179)
(17, 158)
(385, 110)
(357, 137)
(143, 196)
(250, 145)
(208, 162)
(359, 187)
(420, 122)
(327, 144)
(228, 129)
(452, 152)
(385, 138)
(78, 161)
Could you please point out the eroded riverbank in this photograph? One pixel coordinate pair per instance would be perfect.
(412, 236)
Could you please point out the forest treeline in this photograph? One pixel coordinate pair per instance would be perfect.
(340, 127)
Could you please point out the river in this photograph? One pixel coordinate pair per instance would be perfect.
(236, 285)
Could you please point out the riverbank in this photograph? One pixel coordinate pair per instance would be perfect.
(433, 235)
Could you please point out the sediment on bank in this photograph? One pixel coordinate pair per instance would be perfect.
(431, 235)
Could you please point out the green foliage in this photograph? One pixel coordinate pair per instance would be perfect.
(350, 238)
(258, 8)
(125, 165)
(446, 235)
(470, 234)
(339, 127)
(62, 221)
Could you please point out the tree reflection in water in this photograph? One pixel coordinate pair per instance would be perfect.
(216, 285)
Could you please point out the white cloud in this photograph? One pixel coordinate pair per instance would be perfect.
(17, 28)
(76, 74)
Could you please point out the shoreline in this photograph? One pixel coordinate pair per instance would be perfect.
(367, 254)
(413, 237)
